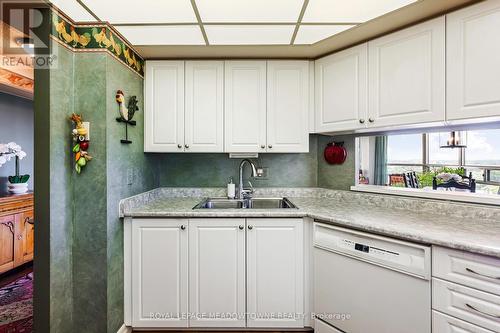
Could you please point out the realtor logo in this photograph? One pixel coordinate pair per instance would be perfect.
(22, 42)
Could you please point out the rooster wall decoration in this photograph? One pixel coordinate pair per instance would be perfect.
(126, 113)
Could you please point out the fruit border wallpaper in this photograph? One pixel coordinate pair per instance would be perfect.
(94, 37)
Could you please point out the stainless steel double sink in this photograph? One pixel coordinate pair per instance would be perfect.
(254, 203)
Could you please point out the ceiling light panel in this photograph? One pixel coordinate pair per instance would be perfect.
(162, 35)
(74, 10)
(310, 34)
(249, 11)
(342, 11)
(249, 34)
(143, 11)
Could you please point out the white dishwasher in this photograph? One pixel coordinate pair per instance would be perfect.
(365, 283)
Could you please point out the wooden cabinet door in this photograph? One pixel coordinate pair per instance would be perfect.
(407, 76)
(159, 273)
(342, 90)
(287, 106)
(245, 106)
(164, 106)
(9, 247)
(217, 272)
(473, 61)
(27, 225)
(275, 273)
(204, 117)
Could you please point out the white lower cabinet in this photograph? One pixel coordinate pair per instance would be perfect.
(237, 272)
(275, 273)
(217, 273)
(159, 273)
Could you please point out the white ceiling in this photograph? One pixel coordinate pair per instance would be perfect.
(229, 22)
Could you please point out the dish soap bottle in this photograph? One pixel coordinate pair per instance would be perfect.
(231, 189)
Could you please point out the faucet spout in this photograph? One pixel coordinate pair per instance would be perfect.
(242, 193)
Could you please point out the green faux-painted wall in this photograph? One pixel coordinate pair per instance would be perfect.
(285, 170)
(337, 177)
(61, 193)
(214, 170)
(86, 233)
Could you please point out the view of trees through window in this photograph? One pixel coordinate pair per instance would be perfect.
(422, 153)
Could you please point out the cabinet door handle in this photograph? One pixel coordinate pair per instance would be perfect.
(250, 227)
(481, 274)
(28, 220)
(361, 121)
(270, 146)
(183, 227)
(371, 120)
(179, 146)
(241, 227)
(262, 146)
(482, 312)
(187, 146)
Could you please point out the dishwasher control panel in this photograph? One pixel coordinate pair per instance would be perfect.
(379, 250)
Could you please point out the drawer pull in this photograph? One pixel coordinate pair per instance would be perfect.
(480, 274)
(481, 312)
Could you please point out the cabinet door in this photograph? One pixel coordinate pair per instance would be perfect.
(159, 273)
(287, 106)
(342, 90)
(275, 273)
(164, 106)
(473, 61)
(8, 244)
(27, 225)
(245, 106)
(204, 126)
(407, 76)
(217, 272)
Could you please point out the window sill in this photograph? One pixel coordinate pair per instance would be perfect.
(477, 198)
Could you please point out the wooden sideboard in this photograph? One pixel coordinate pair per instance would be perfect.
(16, 230)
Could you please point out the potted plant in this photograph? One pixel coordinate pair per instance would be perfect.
(18, 184)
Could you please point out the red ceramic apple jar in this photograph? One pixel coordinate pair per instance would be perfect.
(335, 153)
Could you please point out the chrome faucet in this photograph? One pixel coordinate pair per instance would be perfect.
(246, 193)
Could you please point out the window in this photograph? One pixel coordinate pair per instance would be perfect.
(404, 149)
(421, 153)
(483, 148)
(441, 156)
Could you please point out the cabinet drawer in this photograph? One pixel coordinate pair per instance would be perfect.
(442, 323)
(474, 306)
(473, 270)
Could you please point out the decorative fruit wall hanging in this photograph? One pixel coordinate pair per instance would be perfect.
(335, 153)
(126, 113)
(81, 142)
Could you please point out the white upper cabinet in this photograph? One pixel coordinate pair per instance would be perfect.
(341, 90)
(217, 272)
(275, 273)
(407, 76)
(473, 61)
(245, 106)
(164, 106)
(204, 117)
(159, 273)
(287, 106)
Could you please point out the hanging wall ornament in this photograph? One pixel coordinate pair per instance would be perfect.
(126, 113)
(81, 141)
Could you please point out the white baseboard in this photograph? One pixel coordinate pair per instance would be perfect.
(125, 329)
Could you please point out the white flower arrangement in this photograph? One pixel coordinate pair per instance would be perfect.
(10, 150)
(445, 176)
